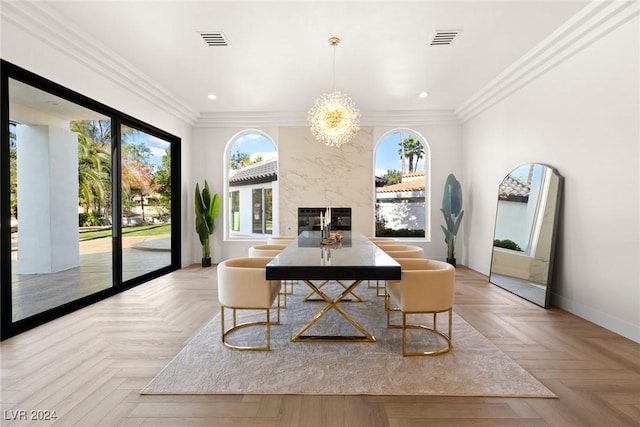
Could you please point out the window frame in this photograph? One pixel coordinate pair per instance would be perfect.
(232, 235)
(427, 182)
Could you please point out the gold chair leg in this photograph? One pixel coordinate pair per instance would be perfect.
(283, 294)
(236, 326)
(448, 337)
(388, 309)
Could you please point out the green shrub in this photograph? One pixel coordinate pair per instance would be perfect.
(90, 219)
(402, 232)
(507, 244)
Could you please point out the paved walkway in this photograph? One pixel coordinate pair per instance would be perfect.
(161, 244)
(35, 293)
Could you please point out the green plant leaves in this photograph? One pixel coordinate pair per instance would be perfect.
(452, 212)
(207, 209)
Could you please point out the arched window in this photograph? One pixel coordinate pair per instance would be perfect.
(252, 185)
(402, 196)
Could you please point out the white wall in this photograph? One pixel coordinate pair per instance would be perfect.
(581, 117)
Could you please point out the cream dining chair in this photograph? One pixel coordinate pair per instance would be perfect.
(383, 240)
(242, 286)
(271, 251)
(403, 251)
(281, 240)
(426, 287)
(398, 251)
(268, 250)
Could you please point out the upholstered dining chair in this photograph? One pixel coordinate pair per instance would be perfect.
(281, 240)
(393, 246)
(426, 287)
(403, 251)
(268, 250)
(383, 240)
(398, 251)
(271, 250)
(242, 286)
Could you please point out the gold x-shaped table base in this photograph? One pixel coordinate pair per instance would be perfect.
(309, 298)
(332, 303)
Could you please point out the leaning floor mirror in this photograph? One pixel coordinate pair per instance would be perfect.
(525, 232)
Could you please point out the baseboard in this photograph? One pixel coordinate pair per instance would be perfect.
(612, 323)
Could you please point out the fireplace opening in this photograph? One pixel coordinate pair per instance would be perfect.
(309, 219)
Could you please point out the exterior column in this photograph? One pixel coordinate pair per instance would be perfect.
(47, 199)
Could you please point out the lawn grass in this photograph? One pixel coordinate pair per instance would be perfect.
(142, 230)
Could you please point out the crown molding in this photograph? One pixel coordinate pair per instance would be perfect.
(593, 22)
(435, 117)
(370, 118)
(45, 24)
(251, 119)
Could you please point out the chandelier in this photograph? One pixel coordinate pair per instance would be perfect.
(334, 118)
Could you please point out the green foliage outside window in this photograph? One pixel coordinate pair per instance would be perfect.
(401, 232)
(507, 244)
(90, 219)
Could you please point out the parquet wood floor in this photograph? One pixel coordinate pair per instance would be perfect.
(89, 366)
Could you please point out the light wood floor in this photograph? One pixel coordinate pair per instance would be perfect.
(89, 366)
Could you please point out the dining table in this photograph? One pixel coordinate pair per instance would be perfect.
(348, 261)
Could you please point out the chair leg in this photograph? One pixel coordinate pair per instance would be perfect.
(236, 326)
(268, 346)
(448, 337)
(278, 307)
(288, 286)
(381, 287)
(283, 294)
(388, 309)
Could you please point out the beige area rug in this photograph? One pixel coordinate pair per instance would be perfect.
(475, 367)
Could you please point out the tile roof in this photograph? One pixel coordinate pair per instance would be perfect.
(415, 185)
(514, 190)
(412, 181)
(265, 171)
(414, 174)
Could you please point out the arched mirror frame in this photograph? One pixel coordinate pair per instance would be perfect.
(535, 284)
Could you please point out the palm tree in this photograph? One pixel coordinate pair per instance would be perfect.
(94, 169)
(412, 150)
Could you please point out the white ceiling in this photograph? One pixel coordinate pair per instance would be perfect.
(279, 58)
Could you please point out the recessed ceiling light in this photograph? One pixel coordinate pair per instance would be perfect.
(212, 96)
(423, 94)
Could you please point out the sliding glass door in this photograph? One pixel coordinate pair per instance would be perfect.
(60, 188)
(86, 204)
(146, 203)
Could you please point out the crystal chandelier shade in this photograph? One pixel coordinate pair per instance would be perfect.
(334, 118)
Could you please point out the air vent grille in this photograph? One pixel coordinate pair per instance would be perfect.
(445, 37)
(214, 38)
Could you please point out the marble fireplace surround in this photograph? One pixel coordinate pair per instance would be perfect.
(312, 174)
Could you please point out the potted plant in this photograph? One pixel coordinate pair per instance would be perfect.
(207, 209)
(452, 211)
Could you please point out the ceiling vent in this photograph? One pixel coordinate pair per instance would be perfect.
(214, 38)
(445, 37)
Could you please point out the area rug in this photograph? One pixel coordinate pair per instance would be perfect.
(475, 366)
